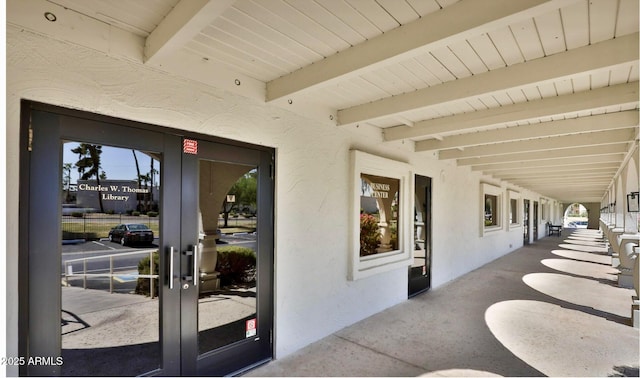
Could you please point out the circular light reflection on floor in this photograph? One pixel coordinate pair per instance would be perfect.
(584, 248)
(583, 256)
(581, 268)
(562, 342)
(583, 292)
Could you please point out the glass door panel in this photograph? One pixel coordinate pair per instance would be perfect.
(420, 270)
(228, 303)
(109, 261)
(525, 222)
(227, 254)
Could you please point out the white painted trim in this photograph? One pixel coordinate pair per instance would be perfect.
(513, 195)
(494, 191)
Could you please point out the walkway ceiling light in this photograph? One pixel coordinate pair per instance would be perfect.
(633, 202)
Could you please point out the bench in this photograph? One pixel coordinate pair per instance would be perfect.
(555, 229)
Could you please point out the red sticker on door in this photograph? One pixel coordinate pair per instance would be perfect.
(190, 146)
(252, 327)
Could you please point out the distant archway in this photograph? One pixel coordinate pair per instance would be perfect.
(576, 215)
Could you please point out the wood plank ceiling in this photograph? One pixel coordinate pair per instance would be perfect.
(540, 93)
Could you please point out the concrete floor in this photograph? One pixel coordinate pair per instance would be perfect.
(550, 308)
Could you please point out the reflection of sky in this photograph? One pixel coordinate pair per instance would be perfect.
(117, 163)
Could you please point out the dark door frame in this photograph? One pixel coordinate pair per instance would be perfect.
(535, 220)
(421, 283)
(526, 220)
(40, 165)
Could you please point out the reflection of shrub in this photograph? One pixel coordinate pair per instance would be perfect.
(77, 214)
(236, 265)
(135, 213)
(152, 214)
(71, 235)
(370, 235)
(394, 236)
(142, 286)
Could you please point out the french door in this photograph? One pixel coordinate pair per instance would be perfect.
(143, 251)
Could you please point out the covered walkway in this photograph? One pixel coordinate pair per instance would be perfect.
(550, 308)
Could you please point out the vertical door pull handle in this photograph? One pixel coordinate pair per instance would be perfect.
(171, 250)
(195, 265)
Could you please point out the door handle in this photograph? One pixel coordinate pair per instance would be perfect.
(194, 258)
(171, 251)
(195, 265)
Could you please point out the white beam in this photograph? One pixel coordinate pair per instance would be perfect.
(427, 33)
(543, 144)
(577, 152)
(184, 22)
(551, 176)
(555, 171)
(600, 122)
(545, 166)
(622, 50)
(547, 107)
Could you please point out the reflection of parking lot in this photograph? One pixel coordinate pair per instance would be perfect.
(99, 258)
(100, 245)
(247, 240)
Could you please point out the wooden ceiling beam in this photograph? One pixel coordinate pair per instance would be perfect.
(610, 53)
(543, 144)
(600, 122)
(546, 107)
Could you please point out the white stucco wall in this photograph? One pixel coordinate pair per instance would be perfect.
(313, 297)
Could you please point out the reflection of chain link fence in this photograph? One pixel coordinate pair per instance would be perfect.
(94, 226)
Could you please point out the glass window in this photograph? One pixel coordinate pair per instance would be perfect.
(379, 207)
(513, 211)
(491, 217)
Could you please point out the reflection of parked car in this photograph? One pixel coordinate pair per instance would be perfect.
(131, 233)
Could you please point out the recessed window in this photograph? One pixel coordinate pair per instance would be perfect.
(513, 211)
(492, 208)
(491, 216)
(381, 210)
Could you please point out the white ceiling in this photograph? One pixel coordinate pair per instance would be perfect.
(542, 94)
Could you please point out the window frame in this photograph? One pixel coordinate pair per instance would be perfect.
(495, 191)
(514, 196)
(365, 266)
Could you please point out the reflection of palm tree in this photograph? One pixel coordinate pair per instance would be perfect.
(135, 158)
(89, 164)
(66, 179)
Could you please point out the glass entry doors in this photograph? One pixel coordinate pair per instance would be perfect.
(143, 252)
